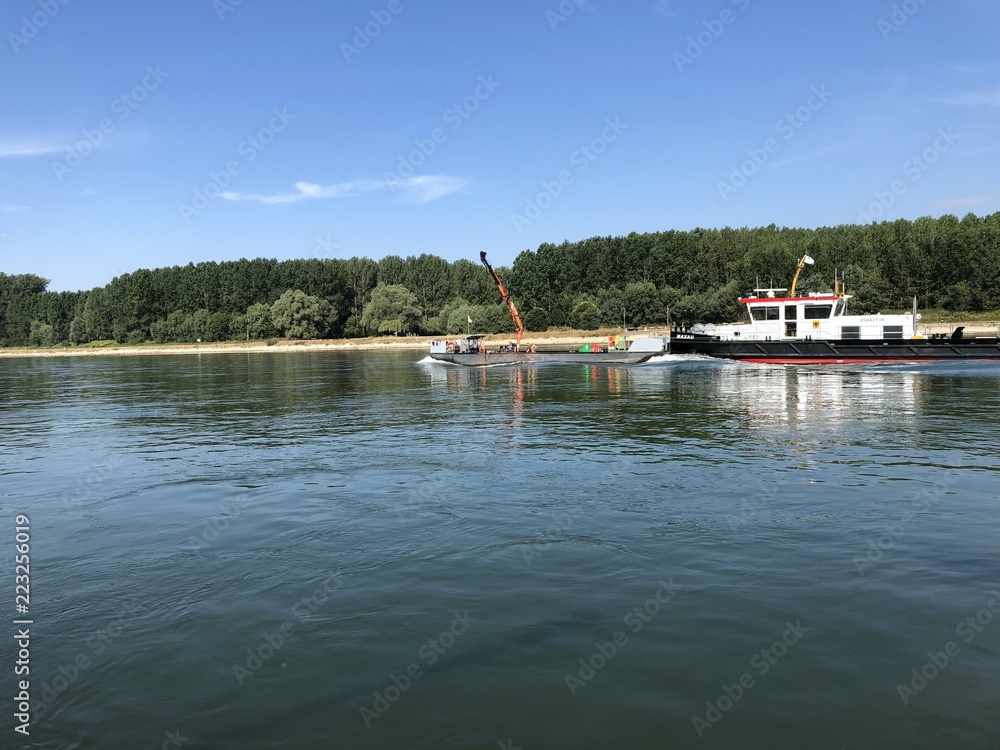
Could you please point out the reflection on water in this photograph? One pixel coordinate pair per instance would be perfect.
(818, 400)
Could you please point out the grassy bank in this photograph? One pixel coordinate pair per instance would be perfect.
(984, 324)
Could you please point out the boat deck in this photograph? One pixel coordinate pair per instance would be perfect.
(481, 359)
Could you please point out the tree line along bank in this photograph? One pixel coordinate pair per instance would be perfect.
(639, 279)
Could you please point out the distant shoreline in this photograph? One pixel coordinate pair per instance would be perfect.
(383, 343)
(402, 343)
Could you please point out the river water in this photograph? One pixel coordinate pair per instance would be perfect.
(363, 550)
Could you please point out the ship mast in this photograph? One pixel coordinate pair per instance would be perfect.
(804, 261)
(506, 298)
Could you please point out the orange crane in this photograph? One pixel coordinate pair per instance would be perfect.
(519, 326)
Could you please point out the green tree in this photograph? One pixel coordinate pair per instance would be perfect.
(391, 302)
(611, 302)
(536, 319)
(391, 270)
(429, 278)
(471, 281)
(458, 318)
(41, 334)
(360, 276)
(78, 333)
(643, 304)
(217, 328)
(496, 318)
(259, 322)
(586, 316)
(394, 326)
(298, 315)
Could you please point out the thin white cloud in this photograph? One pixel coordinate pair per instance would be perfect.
(976, 151)
(974, 68)
(988, 98)
(414, 189)
(26, 149)
(974, 201)
(429, 188)
(307, 190)
(837, 147)
(10, 208)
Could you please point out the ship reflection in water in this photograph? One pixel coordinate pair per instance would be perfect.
(825, 395)
(725, 401)
(522, 391)
(817, 400)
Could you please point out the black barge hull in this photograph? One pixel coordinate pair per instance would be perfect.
(837, 351)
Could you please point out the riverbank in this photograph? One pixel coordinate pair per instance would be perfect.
(549, 338)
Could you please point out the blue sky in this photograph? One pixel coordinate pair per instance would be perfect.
(136, 135)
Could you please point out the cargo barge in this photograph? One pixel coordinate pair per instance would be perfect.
(473, 352)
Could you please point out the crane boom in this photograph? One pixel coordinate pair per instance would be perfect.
(805, 261)
(519, 327)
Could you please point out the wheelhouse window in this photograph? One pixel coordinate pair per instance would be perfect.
(817, 312)
(850, 332)
(892, 332)
(769, 312)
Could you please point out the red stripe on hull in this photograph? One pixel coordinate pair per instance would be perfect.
(830, 361)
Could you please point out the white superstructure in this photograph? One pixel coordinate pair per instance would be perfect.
(815, 316)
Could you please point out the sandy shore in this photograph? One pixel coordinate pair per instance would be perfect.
(554, 338)
(383, 343)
